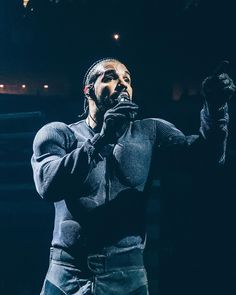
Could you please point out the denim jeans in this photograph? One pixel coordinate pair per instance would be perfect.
(64, 278)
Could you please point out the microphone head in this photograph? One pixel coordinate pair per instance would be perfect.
(123, 97)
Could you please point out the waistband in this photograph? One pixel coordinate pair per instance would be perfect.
(97, 263)
(102, 263)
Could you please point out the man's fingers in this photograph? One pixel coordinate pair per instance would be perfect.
(113, 116)
(230, 89)
(223, 76)
(221, 68)
(225, 79)
(218, 83)
(124, 109)
(218, 87)
(125, 104)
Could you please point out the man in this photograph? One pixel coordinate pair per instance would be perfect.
(97, 172)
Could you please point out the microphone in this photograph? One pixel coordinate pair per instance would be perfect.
(123, 97)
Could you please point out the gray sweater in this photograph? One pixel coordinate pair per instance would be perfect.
(100, 193)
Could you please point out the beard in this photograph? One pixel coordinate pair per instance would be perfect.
(110, 101)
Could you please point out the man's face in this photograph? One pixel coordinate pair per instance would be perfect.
(113, 79)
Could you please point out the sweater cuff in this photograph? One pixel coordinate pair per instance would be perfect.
(97, 141)
(94, 146)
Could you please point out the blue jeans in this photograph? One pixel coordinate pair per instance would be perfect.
(105, 277)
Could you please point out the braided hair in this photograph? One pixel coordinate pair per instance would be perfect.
(90, 77)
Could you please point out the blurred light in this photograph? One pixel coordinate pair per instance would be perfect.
(25, 2)
(55, 1)
(116, 36)
(1, 86)
(177, 91)
(45, 86)
(23, 86)
(31, 9)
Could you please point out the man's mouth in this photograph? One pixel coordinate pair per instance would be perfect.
(116, 98)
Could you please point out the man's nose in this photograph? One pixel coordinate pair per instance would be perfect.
(121, 85)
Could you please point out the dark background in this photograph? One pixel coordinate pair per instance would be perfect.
(169, 47)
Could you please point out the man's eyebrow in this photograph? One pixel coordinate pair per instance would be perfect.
(109, 71)
(127, 72)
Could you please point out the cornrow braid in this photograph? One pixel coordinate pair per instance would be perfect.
(90, 75)
(86, 110)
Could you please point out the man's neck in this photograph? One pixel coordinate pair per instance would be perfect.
(94, 121)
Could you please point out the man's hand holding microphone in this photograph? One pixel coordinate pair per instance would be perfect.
(116, 118)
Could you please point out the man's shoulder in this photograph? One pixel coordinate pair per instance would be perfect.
(77, 125)
(54, 128)
(156, 122)
(54, 132)
(151, 127)
(160, 128)
(61, 127)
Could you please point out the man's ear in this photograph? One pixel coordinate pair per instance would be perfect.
(89, 91)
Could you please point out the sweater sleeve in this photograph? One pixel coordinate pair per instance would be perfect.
(59, 165)
(209, 144)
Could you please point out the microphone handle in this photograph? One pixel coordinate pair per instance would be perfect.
(124, 97)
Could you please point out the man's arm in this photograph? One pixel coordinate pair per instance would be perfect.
(210, 144)
(59, 166)
(217, 90)
(214, 131)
